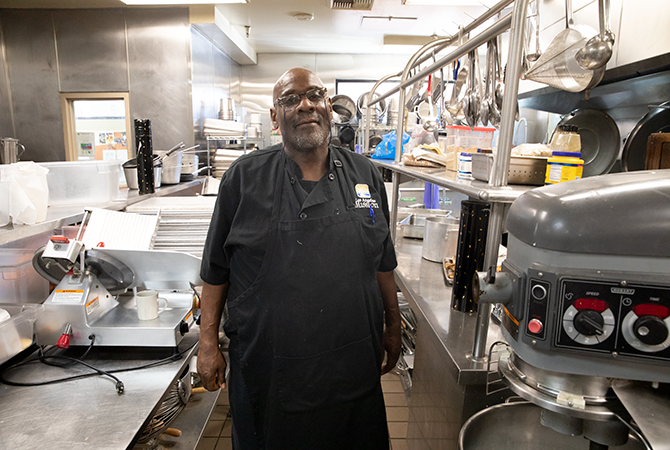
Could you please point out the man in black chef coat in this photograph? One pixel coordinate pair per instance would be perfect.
(299, 250)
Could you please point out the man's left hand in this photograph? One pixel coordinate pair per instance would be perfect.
(392, 343)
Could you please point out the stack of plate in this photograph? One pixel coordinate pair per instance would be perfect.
(224, 157)
(214, 127)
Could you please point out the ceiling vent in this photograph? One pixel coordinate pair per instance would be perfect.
(361, 5)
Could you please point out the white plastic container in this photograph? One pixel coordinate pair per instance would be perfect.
(19, 281)
(16, 332)
(83, 182)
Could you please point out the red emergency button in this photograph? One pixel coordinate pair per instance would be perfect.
(59, 240)
(534, 326)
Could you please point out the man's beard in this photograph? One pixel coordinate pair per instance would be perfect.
(307, 141)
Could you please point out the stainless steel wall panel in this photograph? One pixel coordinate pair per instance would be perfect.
(158, 50)
(215, 76)
(6, 126)
(221, 79)
(202, 88)
(33, 76)
(92, 50)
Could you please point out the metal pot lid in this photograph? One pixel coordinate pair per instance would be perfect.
(634, 155)
(600, 138)
(362, 101)
(344, 109)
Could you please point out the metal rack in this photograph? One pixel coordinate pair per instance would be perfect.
(496, 191)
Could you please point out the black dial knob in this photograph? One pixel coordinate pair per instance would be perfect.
(589, 322)
(651, 330)
(183, 328)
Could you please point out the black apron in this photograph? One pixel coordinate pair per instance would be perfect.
(306, 356)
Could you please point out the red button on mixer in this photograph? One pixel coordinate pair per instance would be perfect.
(534, 326)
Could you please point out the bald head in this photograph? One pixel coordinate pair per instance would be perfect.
(304, 122)
(293, 78)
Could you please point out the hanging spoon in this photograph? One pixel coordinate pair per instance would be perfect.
(598, 50)
(487, 100)
(500, 86)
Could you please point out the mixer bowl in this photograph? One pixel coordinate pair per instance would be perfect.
(516, 426)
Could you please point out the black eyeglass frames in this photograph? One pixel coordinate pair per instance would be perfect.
(314, 95)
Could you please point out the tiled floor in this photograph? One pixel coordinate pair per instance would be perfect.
(217, 431)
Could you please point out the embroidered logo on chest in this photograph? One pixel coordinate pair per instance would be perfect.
(362, 191)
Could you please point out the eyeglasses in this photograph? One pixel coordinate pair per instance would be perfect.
(314, 95)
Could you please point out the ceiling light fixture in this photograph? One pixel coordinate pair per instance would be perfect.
(303, 16)
(180, 2)
(443, 2)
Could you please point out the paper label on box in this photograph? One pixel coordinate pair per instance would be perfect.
(68, 295)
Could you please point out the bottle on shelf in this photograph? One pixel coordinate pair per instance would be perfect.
(566, 163)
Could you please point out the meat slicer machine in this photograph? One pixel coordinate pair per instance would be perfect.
(93, 298)
(586, 289)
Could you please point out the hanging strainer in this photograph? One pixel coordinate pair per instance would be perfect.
(557, 66)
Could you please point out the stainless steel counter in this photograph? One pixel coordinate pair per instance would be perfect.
(447, 387)
(58, 216)
(88, 413)
(423, 284)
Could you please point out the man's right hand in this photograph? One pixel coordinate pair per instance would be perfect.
(212, 369)
(211, 363)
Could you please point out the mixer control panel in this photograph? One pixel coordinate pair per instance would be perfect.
(610, 317)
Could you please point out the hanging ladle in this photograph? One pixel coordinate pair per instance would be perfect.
(598, 50)
(487, 101)
(430, 125)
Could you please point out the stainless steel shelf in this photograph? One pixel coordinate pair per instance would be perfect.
(449, 179)
(225, 138)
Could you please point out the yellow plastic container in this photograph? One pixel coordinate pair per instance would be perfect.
(564, 166)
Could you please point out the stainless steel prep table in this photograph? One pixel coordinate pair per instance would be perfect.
(447, 386)
(88, 413)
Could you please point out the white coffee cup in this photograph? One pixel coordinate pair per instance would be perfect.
(147, 304)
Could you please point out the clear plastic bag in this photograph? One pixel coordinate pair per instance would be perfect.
(29, 192)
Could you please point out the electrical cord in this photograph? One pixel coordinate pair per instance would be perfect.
(120, 387)
(69, 363)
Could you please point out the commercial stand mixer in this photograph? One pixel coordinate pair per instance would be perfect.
(93, 302)
(586, 289)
